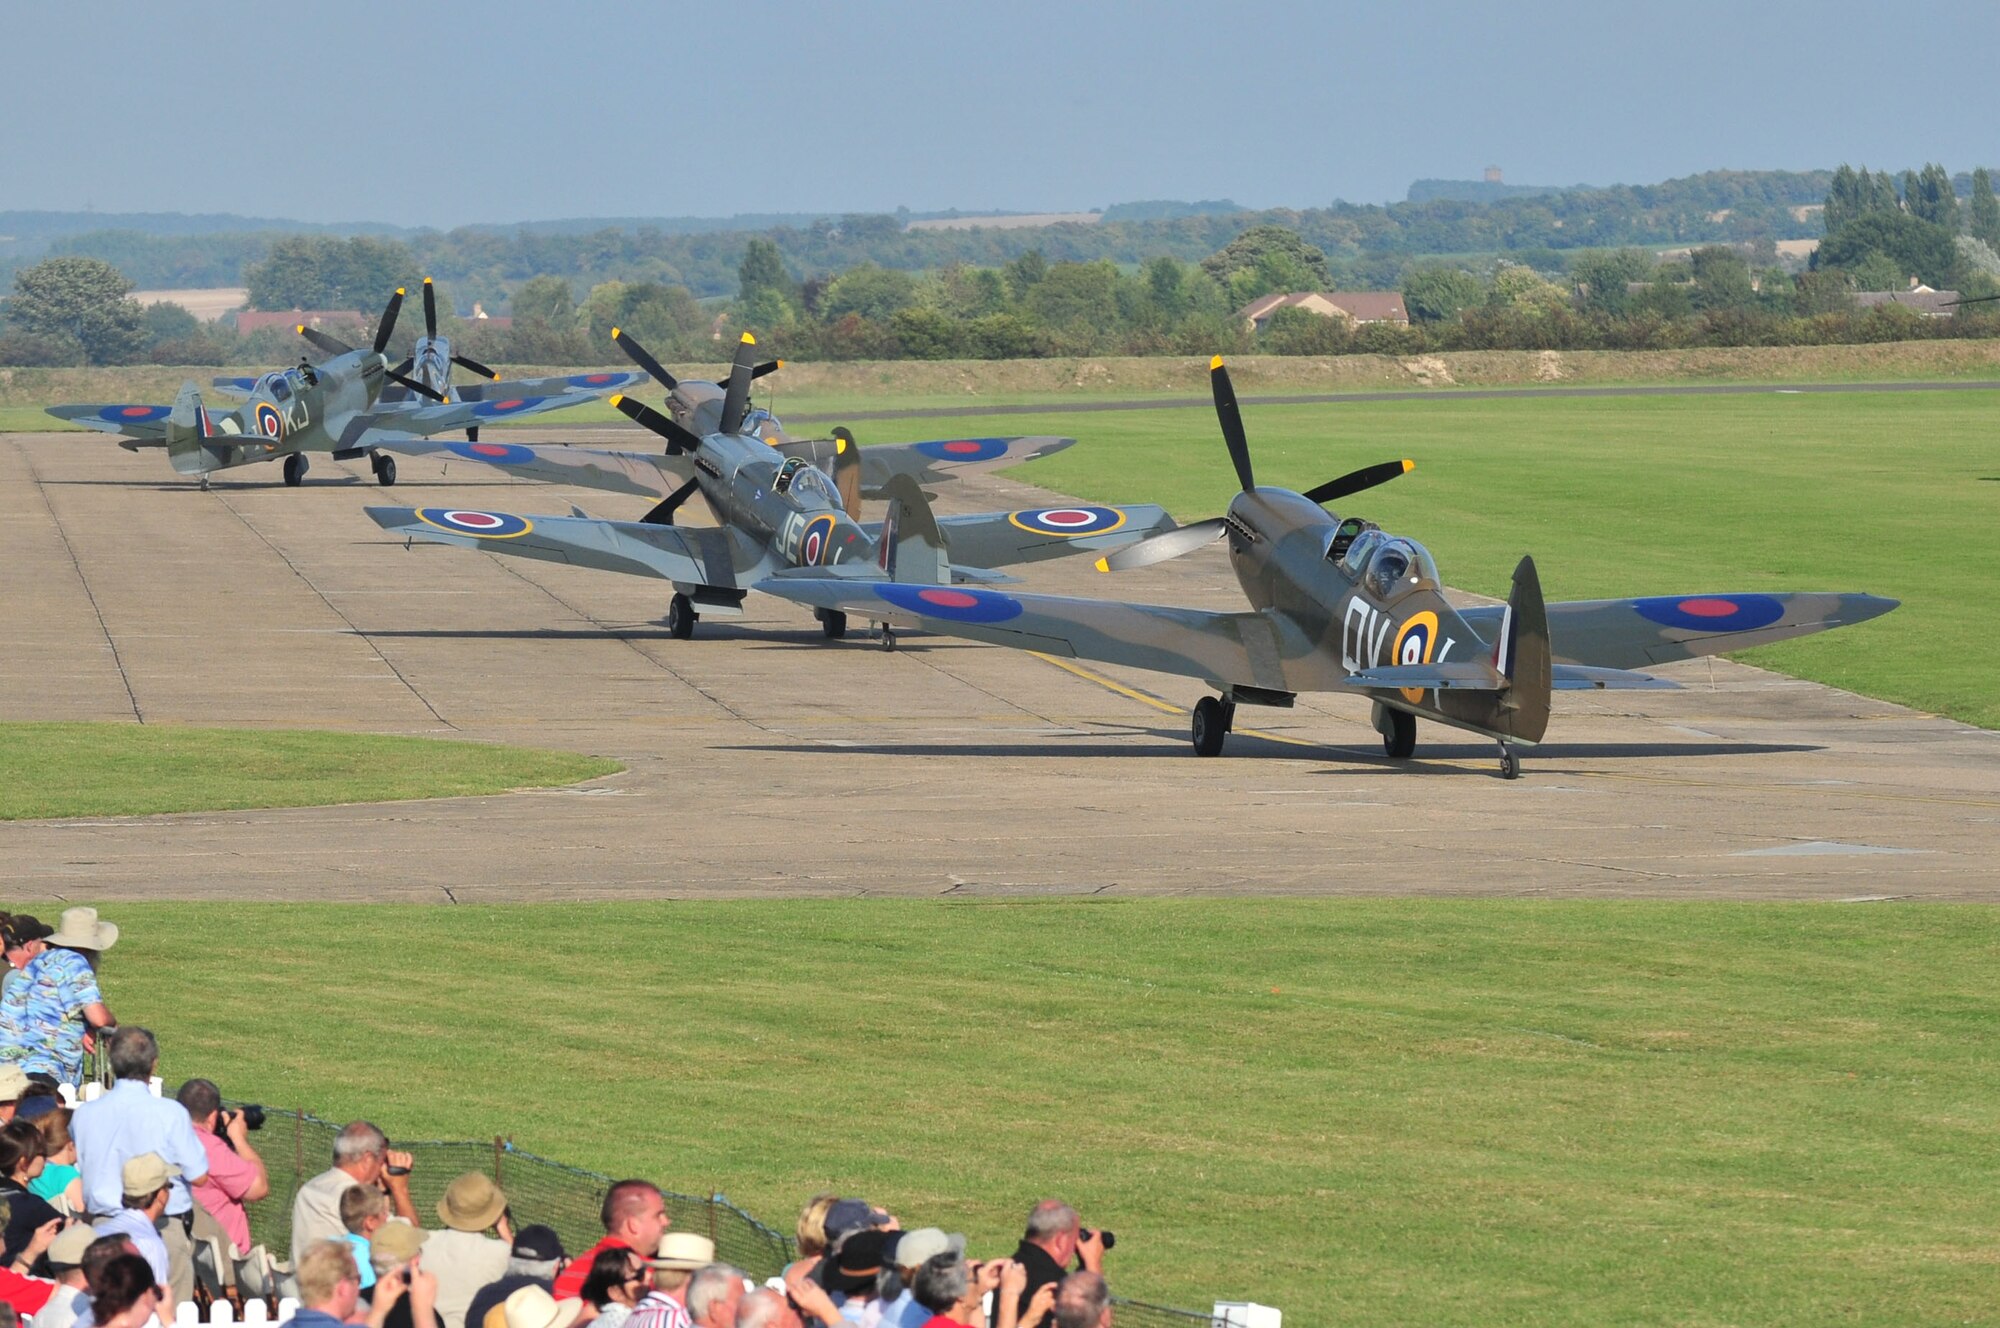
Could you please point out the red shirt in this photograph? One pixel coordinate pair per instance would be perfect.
(569, 1286)
(940, 1321)
(26, 1294)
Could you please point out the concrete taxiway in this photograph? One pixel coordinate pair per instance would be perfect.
(764, 761)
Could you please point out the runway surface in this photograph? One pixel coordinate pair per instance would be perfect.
(764, 761)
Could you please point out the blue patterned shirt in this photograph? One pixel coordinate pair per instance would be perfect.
(41, 1015)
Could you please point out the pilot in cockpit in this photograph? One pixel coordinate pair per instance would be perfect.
(787, 473)
(307, 372)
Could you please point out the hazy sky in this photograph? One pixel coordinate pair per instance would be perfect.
(319, 111)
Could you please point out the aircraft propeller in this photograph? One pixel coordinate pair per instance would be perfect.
(1186, 539)
(847, 471)
(736, 397)
(333, 345)
(679, 440)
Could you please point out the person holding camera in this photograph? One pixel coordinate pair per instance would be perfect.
(1056, 1235)
(361, 1156)
(236, 1175)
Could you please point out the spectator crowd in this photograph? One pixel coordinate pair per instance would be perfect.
(121, 1208)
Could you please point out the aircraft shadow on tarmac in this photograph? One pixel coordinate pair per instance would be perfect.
(1174, 744)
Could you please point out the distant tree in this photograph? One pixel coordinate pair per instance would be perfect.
(874, 293)
(1929, 195)
(166, 321)
(80, 300)
(1024, 273)
(1295, 331)
(1827, 291)
(1265, 259)
(928, 334)
(547, 300)
(1077, 299)
(1603, 277)
(325, 272)
(762, 269)
(1916, 247)
(1721, 279)
(1433, 292)
(1526, 291)
(1983, 220)
(1844, 201)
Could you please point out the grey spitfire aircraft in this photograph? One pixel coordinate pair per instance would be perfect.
(699, 408)
(1341, 605)
(335, 406)
(779, 516)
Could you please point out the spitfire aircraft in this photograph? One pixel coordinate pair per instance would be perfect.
(335, 406)
(778, 516)
(699, 407)
(1342, 605)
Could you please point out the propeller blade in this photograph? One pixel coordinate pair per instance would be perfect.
(331, 345)
(1968, 299)
(663, 511)
(736, 396)
(1232, 422)
(640, 356)
(421, 389)
(430, 309)
(387, 327)
(467, 362)
(847, 471)
(1171, 544)
(405, 366)
(678, 439)
(1354, 481)
(767, 367)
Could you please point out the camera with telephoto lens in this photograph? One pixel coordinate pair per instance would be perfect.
(1110, 1238)
(253, 1116)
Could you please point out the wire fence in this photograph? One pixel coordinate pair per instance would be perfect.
(296, 1146)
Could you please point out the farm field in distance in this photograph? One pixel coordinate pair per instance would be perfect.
(1410, 1111)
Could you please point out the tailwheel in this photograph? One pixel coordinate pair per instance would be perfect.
(1212, 718)
(681, 617)
(1399, 738)
(1510, 762)
(832, 622)
(384, 467)
(295, 469)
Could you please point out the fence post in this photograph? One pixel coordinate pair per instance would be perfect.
(299, 1149)
(714, 1196)
(499, 1148)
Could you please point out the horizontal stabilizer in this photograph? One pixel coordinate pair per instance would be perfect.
(1476, 675)
(1582, 677)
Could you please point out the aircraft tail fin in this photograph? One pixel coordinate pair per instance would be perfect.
(1522, 656)
(911, 547)
(188, 431)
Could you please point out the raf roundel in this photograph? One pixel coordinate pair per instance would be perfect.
(486, 525)
(134, 414)
(269, 422)
(512, 406)
(1712, 613)
(817, 541)
(1070, 521)
(499, 454)
(951, 602)
(963, 449)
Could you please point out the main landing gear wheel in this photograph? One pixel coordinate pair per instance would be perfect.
(384, 468)
(1401, 739)
(681, 617)
(1510, 762)
(295, 469)
(888, 636)
(1213, 718)
(832, 622)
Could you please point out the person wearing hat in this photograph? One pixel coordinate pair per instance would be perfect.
(680, 1255)
(535, 1260)
(462, 1256)
(909, 1251)
(45, 1012)
(405, 1289)
(146, 1179)
(24, 937)
(534, 1307)
(852, 1273)
(13, 1087)
(66, 1264)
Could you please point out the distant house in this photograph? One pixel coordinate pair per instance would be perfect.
(1354, 307)
(1930, 303)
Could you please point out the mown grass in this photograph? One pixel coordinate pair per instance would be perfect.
(1893, 493)
(54, 770)
(1409, 1111)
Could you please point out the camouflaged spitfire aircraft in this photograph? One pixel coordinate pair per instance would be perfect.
(1341, 605)
(699, 408)
(778, 514)
(336, 406)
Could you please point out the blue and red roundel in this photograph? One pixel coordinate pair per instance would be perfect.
(1069, 520)
(954, 603)
(499, 454)
(269, 422)
(134, 414)
(593, 380)
(486, 525)
(1711, 613)
(963, 449)
(487, 410)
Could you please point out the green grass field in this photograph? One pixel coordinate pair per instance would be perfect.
(51, 770)
(1361, 1111)
(1893, 493)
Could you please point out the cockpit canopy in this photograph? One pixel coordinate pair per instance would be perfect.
(807, 485)
(760, 423)
(1389, 566)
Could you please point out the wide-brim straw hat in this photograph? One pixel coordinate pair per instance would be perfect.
(472, 1202)
(82, 929)
(534, 1307)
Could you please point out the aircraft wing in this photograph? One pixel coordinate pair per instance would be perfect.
(241, 387)
(1637, 633)
(428, 417)
(588, 385)
(1005, 539)
(927, 463)
(692, 555)
(146, 424)
(1252, 649)
(643, 474)
(1480, 675)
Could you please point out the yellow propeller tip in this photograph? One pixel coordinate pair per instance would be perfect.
(1103, 564)
(427, 281)
(781, 364)
(302, 329)
(614, 334)
(1215, 364)
(1408, 465)
(401, 291)
(749, 340)
(617, 397)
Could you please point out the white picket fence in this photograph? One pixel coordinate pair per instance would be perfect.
(222, 1312)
